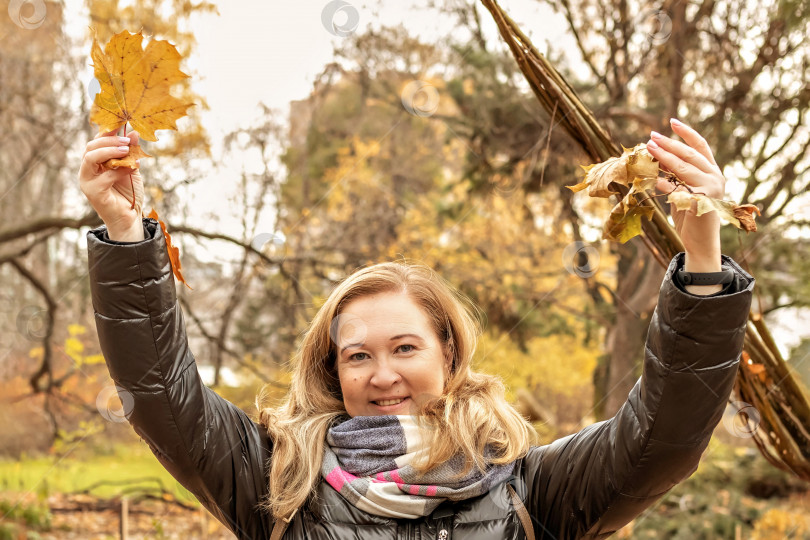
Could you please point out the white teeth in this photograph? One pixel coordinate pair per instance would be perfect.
(387, 402)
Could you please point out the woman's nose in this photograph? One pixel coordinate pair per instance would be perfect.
(385, 375)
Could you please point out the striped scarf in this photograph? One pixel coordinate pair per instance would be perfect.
(367, 459)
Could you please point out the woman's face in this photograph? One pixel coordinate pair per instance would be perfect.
(389, 359)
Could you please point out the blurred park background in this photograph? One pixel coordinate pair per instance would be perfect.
(328, 135)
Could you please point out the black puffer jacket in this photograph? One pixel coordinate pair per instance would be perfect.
(586, 485)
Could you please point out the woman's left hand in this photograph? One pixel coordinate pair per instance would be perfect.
(693, 162)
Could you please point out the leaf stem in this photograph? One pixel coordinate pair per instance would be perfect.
(676, 181)
(131, 182)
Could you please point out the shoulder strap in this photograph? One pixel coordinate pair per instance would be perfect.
(279, 526)
(523, 514)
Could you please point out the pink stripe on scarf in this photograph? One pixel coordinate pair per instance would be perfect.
(431, 491)
(337, 477)
(395, 476)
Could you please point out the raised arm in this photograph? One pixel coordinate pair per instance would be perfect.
(592, 483)
(208, 444)
(595, 481)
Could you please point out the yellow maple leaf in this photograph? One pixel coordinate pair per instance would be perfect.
(135, 84)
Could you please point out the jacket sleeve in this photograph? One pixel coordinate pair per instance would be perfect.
(208, 444)
(591, 483)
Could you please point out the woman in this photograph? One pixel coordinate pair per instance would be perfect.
(386, 432)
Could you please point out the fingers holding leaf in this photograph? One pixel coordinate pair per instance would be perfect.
(692, 182)
(693, 139)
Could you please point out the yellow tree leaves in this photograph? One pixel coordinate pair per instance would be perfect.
(637, 170)
(135, 84)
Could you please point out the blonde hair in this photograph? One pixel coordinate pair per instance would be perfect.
(471, 414)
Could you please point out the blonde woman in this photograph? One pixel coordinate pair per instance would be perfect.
(386, 432)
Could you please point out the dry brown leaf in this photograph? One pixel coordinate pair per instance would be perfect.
(643, 183)
(640, 162)
(599, 177)
(741, 216)
(637, 164)
(745, 214)
(681, 199)
(625, 220)
(174, 253)
(135, 152)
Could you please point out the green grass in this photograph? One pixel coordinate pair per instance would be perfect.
(32, 515)
(732, 488)
(119, 468)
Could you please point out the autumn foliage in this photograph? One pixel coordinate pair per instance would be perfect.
(638, 170)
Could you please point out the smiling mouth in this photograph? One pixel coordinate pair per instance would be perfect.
(389, 402)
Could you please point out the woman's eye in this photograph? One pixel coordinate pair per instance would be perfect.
(405, 348)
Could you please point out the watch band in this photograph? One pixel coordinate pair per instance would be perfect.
(705, 278)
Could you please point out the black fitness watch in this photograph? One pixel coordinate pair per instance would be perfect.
(705, 278)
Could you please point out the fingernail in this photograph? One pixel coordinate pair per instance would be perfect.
(655, 135)
(651, 144)
(675, 122)
(123, 148)
(124, 140)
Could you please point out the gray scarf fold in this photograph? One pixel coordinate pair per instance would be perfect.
(368, 460)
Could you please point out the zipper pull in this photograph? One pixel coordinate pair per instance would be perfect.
(442, 534)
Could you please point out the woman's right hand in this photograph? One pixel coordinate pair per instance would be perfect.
(111, 191)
